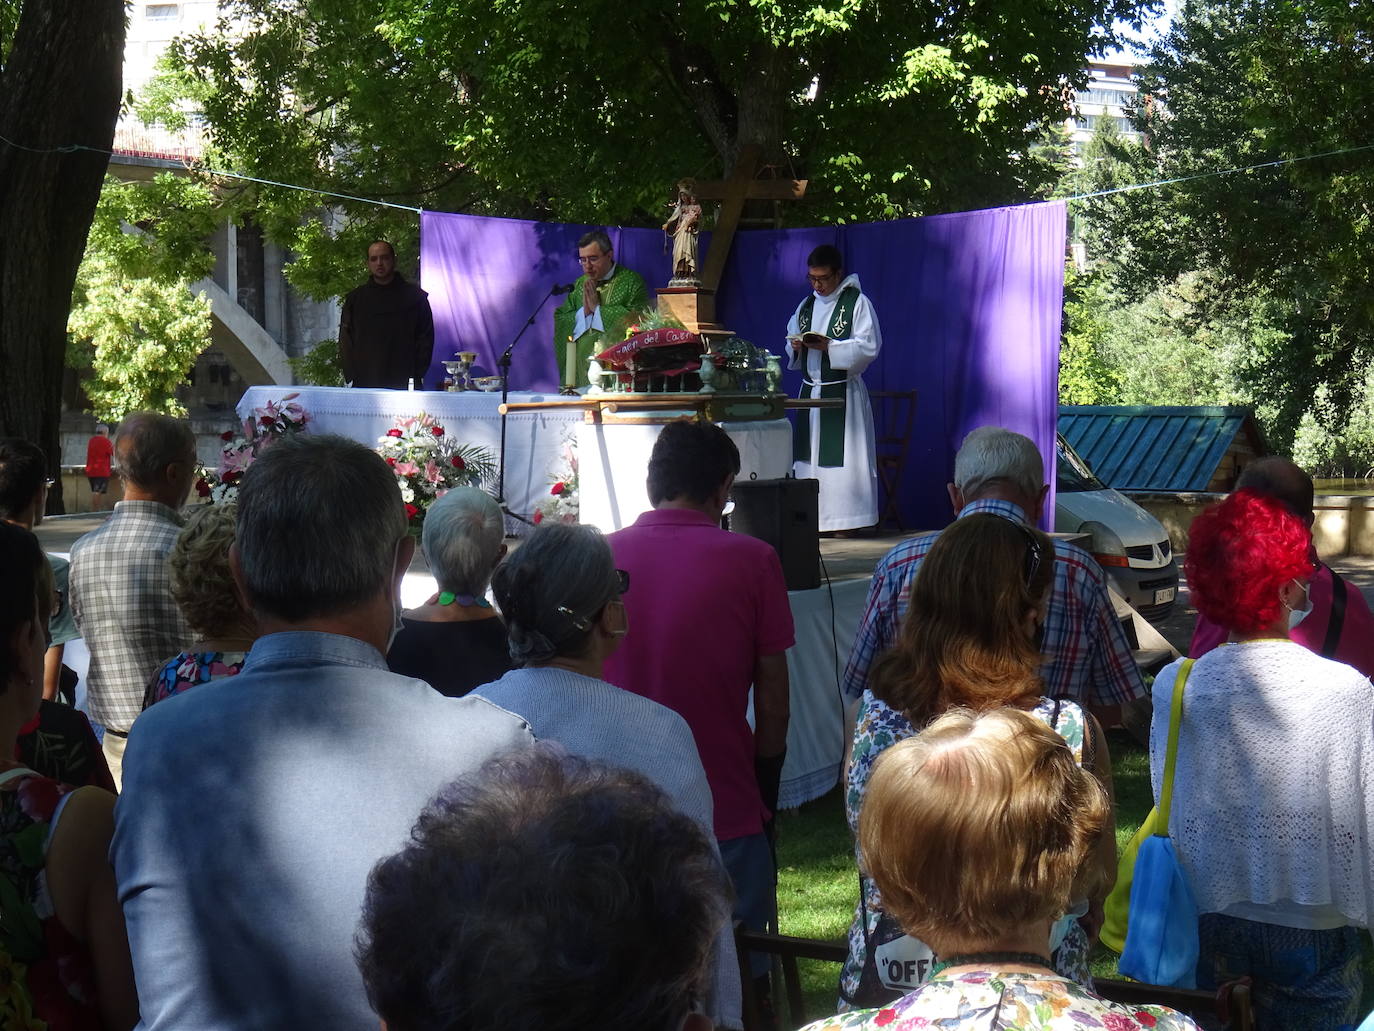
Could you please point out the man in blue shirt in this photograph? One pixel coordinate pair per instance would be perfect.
(255, 805)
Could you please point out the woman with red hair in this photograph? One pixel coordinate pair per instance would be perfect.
(1273, 799)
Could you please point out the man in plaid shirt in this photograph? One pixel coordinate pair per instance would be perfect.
(121, 595)
(1087, 657)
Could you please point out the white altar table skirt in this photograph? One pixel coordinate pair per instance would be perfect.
(613, 463)
(815, 665)
(534, 439)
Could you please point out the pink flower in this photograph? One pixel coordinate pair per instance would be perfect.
(393, 432)
(558, 488)
(406, 469)
(432, 474)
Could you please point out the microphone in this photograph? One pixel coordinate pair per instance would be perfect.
(562, 289)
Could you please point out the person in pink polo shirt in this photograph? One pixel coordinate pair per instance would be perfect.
(712, 620)
(1340, 626)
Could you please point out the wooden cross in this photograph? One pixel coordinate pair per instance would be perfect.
(733, 192)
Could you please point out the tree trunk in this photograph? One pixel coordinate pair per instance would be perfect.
(59, 87)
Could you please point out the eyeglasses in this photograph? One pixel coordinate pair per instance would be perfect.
(1033, 554)
(622, 585)
(592, 258)
(822, 280)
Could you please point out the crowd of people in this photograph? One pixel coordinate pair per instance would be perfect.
(541, 800)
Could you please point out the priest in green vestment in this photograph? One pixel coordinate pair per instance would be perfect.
(602, 299)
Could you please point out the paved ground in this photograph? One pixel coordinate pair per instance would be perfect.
(844, 558)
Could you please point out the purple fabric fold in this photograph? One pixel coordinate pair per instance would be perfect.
(969, 303)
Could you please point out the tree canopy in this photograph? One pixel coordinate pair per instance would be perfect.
(528, 108)
(1274, 261)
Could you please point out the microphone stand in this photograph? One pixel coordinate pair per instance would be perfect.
(504, 364)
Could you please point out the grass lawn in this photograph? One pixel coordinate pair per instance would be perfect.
(818, 884)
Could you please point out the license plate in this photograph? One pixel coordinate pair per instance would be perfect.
(1164, 594)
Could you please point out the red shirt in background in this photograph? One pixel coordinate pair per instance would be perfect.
(1355, 647)
(704, 604)
(98, 452)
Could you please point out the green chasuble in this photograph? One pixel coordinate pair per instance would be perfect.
(831, 451)
(622, 295)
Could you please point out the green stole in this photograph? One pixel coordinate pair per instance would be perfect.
(831, 419)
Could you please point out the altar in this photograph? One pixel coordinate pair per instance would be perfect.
(534, 437)
(613, 453)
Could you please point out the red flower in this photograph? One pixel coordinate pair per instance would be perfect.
(438, 431)
(393, 432)
(202, 488)
(391, 461)
(1147, 1019)
(38, 797)
(411, 511)
(227, 435)
(267, 420)
(884, 1017)
(538, 517)
(233, 477)
(558, 488)
(458, 463)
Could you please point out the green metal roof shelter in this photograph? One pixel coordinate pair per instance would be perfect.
(1180, 448)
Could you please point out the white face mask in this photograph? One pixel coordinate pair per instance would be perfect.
(1296, 616)
(1060, 928)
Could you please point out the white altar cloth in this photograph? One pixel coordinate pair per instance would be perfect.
(815, 666)
(534, 439)
(613, 463)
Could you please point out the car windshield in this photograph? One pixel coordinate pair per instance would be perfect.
(1072, 474)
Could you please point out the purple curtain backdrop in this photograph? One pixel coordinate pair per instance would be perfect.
(969, 305)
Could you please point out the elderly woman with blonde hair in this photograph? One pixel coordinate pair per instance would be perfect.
(979, 832)
(203, 588)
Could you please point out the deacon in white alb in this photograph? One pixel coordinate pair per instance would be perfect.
(835, 333)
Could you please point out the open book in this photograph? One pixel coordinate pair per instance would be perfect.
(806, 339)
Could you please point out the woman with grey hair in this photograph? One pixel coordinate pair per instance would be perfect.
(455, 640)
(560, 595)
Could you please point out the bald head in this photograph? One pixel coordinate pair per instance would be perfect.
(1282, 480)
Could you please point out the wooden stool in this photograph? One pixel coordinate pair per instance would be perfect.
(898, 418)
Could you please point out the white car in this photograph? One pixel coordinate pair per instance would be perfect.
(1131, 545)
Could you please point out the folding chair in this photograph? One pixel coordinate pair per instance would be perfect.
(899, 415)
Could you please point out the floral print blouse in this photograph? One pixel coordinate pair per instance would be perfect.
(984, 999)
(46, 978)
(880, 727)
(189, 669)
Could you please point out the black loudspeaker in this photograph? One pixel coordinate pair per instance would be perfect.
(783, 513)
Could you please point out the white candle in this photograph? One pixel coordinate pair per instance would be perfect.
(570, 363)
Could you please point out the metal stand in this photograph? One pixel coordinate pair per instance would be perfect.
(504, 364)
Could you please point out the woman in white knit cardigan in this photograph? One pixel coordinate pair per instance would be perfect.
(1273, 803)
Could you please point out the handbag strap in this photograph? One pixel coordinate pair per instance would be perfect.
(1166, 789)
